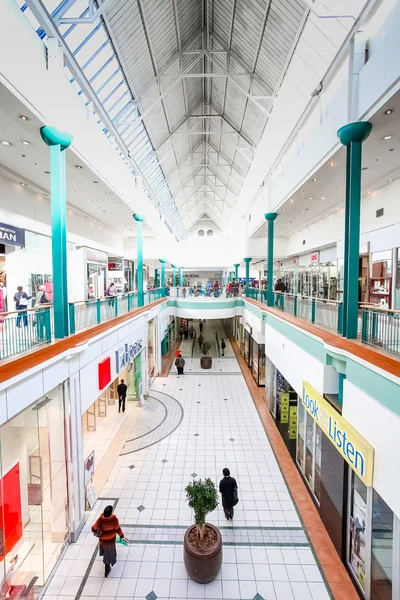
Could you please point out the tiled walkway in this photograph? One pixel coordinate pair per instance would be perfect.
(266, 554)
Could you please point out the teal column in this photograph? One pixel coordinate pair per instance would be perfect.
(173, 275)
(156, 278)
(236, 265)
(162, 261)
(181, 276)
(58, 142)
(139, 241)
(247, 261)
(270, 273)
(352, 136)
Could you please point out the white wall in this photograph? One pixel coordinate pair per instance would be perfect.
(381, 428)
(294, 363)
(256, 324)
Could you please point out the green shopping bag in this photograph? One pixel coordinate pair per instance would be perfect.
(122, 541)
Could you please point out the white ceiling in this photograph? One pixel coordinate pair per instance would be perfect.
(86, 194)
(315, 200)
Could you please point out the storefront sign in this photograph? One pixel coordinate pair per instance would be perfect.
(295, 261)
(351, 445)
(89, 468)
(11, 236)
(126, 355)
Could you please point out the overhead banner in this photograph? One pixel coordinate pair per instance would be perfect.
(352, 446)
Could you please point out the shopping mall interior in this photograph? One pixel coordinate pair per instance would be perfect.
(200, 271)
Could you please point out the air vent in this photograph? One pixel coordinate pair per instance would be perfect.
(210, 232)
(200, 232)
(379, 212)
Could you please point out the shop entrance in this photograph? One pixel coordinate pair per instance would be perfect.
(33, 492)
(96, 280)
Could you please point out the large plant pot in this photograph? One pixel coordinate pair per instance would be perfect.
(201, 566)
(206, 362)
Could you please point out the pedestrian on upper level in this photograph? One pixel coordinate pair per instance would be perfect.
(280, 286)
(200, 340)
(111, 293)
(201, 325)
(21, 300)
(106, 529)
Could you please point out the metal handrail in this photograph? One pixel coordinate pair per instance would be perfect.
(194, 342)
(25, 309)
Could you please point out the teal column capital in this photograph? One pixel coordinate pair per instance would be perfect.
(53, 137)
(236, 265)
(247, 260)
(271, 216)
(173, 266)
(162, 260)
(354, 132)
(138, 218)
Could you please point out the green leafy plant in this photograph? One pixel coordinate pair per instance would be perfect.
(203, 498)
(206, 347)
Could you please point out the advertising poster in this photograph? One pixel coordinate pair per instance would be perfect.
(357, 538)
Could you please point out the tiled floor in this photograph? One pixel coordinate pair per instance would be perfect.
(266, 554)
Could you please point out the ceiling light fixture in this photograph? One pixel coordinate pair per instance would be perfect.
(310, 198)
(44, 195)
(369, 191)
(387, 137)
(323, 198)
(95, 182)
(78, 167)
(5, 143)
(47, 172)
(389, 111)
(390, 180)
(88, 200)
(23, 118)
(26, 143)
(331, 164)
(23, 184)
(314, 179)
(291, 201)
(302, 192)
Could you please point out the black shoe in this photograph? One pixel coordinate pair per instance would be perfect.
(107, 570)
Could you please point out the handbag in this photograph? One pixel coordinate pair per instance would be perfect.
(97, 533)
(23, 301)
(235, 496)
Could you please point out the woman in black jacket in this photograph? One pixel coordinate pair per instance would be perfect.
(228, 490)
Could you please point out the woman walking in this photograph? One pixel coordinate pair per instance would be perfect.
(180, 364)
(106, 529)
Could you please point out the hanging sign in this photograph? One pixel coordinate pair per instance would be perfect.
(351, 445)
(11, 236)
(295, 261)
(315, 258)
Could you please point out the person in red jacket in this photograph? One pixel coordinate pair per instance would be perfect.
(106, 529)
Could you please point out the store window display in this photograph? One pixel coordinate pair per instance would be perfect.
(33, 492)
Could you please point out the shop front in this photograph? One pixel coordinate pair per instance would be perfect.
(101, 422)
(151, 347)
(121, 273)
(34, 503)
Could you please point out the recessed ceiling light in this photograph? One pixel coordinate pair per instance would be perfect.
(323, 198)
(47, 172)
(78, 167)
(315, 179)
(88, 200)
(369, 191)
(387, 137)
(5, 143)
(364, 169)
(331, 164)
(44, 195)
(291, 201)
(302, 212)
(390, 180)
(23, 118)
(389, 111)
(101, 200)
(310, 198)
(108, 193)
(95, 182)
(26, 143)
(23, 184)
(302, 192)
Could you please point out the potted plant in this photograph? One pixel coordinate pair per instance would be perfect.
(206, 361)
(202, 542)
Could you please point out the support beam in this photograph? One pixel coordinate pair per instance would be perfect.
(270, 274)
(139, 248)
(352, 136)
(236, 265)
(58, 143)
(247, 260)
(180, 276)
(162, 261)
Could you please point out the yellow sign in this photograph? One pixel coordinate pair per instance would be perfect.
(351, 445)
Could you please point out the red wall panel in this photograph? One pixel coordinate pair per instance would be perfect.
(10, 510)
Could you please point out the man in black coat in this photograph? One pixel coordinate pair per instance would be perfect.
(228, 490)
(122, 388)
